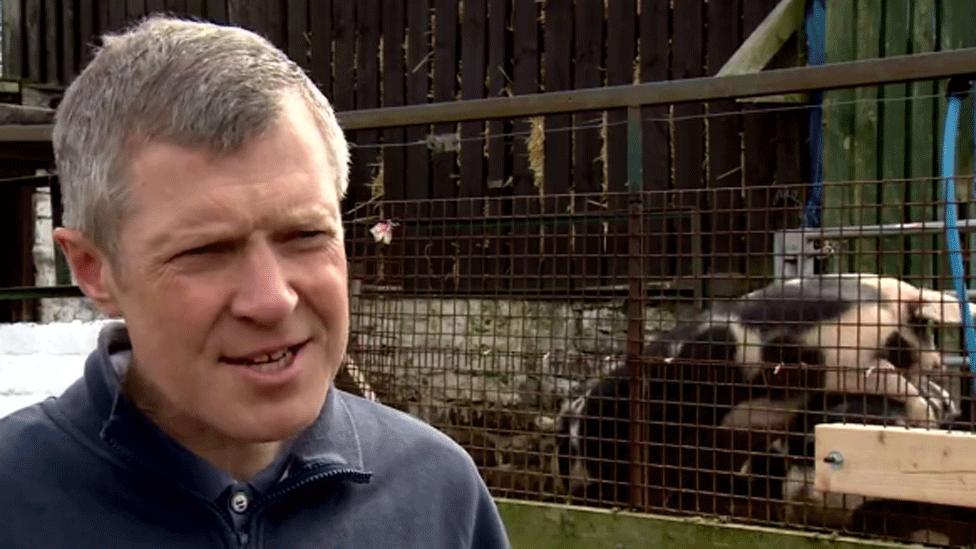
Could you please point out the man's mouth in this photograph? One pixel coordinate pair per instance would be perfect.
(267, 362)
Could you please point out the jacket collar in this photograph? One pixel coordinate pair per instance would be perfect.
(332, 441)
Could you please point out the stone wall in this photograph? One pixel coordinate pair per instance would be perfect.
(492, 373)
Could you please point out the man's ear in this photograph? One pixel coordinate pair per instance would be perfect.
(91, 269)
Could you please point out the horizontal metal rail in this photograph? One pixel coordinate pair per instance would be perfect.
(887, 70)
(867, 72)
(38, 292)
(890, 229)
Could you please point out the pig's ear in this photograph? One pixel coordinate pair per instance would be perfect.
(939, 307)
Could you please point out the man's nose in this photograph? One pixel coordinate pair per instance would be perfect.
(264, 293)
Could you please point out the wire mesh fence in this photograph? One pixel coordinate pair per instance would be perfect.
(632, 350)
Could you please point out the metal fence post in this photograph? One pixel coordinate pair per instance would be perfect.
(635, 309)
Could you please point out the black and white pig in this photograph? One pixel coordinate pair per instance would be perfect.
(781, 345)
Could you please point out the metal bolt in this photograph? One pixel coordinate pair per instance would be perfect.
(835, 459)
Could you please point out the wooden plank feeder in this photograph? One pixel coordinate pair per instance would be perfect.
(896, 463)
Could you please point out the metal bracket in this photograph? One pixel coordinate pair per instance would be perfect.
(794, 255)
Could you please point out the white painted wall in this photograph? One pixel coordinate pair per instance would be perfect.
(42, 360)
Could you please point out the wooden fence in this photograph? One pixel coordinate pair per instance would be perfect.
(888, 139)
(376, 53)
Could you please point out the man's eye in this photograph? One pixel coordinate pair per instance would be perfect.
(209, 249)
(306, 236)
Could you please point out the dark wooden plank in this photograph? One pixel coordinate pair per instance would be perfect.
(217, 10)
(655, 66)
(558, 29)
(525, 79)
(17, 269)
(587, 145)
(471, 188)
(116, 15)
(688, 62)
(320, 29)
(33, 23)
(758, 131)
(344, 32)
(70, 43)
(444, 158)
(53, 36)
(276, 22)
(393, 27)
(417, 184)
(102, 19)
(498, 190)
(13, 39)
(366, 156)
(86, 31)
(297, 35)
(240, 8)
(196, 9)
(621, 49)
(134, 9)
(724, 166)
(159, 6)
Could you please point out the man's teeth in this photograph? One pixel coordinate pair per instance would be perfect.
(269, 358)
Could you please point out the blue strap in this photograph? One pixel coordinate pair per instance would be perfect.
(816, 30)
(953, 241)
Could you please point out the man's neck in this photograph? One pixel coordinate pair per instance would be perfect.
(242, 461)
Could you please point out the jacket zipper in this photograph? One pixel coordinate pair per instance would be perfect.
(355, 475)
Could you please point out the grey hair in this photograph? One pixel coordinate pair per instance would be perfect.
(183, 82)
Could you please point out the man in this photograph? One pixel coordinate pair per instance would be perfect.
(202, 173)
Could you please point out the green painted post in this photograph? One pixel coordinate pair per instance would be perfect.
(893, 139)
(866, 143)
(635, 305)
(838, 116)
(921, 148)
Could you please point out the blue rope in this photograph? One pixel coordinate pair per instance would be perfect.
(951, 225)
(816, 30)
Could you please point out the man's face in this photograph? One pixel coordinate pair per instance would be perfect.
(232, 282)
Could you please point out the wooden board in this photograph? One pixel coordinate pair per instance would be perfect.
(893, 122)
(724, 153)
(393, 21)
(654, 66)
(921, 149)
(443, 251)
(320, 29)
(471, 189)
(621, 49)
(498, 185)
(864, 194)
(758, 129)
(70, 46)
(13, 50)
(298, 40)
(897, 463)
(587, 145)
(688, 59)
(417, 185)
(838, 119)
(53, 34)
(558, 62)
(35, 40)
(525, 80)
